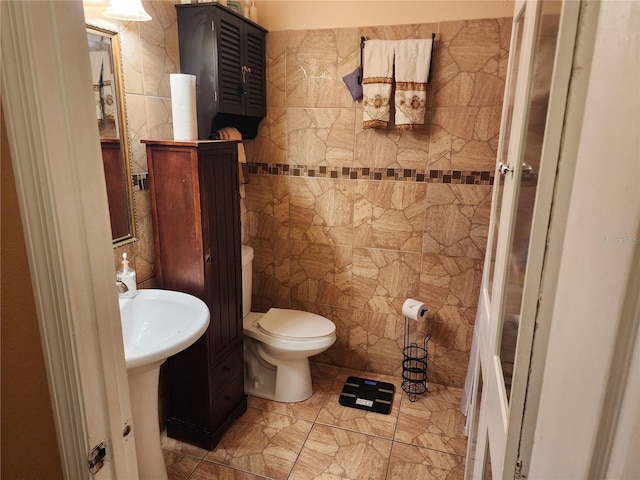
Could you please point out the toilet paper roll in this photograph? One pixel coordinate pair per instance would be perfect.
(183, 106)
(414, 309)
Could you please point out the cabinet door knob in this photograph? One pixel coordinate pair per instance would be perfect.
(245, 71)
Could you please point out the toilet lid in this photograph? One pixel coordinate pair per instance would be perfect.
(295, 323)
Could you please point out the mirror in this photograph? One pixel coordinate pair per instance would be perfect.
(111, 115)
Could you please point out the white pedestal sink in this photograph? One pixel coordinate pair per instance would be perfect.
(155, 325)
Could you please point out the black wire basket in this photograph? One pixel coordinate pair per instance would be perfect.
(414, 365)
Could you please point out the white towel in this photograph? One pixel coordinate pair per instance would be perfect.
(102, 85)
(377, 82)
(412, 71)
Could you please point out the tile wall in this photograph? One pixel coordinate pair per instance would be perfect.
(347, 222)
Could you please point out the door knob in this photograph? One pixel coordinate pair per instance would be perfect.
(528, 174)
(504, 169)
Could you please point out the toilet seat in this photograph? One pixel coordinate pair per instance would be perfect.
(295, 324)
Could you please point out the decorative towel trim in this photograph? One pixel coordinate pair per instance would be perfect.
(411, 86)
(374, 124)
(376, 102)
(372, 80)
(409, 126)
(411, 106)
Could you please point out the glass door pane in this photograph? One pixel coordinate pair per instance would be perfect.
(539, 99)
(503, 151)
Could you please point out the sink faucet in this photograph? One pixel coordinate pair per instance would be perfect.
(122, 288)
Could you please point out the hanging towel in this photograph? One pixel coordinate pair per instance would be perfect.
(377, 82)
(102, 85)
(412, 71)
(231, 133)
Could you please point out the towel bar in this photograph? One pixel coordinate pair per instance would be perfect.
(362, 42)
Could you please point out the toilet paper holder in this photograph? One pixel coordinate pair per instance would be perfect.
(414, 364)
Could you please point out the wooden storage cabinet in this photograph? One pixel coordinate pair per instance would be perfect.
(226, 53)
(196, 219)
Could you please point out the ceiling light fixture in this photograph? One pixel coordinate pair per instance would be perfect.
(128, 10)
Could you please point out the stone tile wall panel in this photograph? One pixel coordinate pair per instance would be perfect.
(364, 219)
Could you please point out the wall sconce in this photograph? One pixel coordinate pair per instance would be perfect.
(129, 10)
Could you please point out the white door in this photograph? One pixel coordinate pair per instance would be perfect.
(55, 151)
(535, 95)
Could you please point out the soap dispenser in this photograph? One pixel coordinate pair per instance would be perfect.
(127, 275)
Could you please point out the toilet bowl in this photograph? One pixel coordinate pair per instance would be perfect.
(278, 344)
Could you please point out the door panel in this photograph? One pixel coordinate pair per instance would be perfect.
(506, 328)
(524, 201)
(198, 42)
(507, 115)
(230, 62)
(220, 200)
(255, 101)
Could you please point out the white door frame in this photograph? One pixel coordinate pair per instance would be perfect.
(57, 160)
(581, 419)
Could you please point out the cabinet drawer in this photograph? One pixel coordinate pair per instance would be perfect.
(229, 367)
(227, 400)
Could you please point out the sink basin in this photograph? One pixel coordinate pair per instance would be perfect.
(155, 325)
(159, 323)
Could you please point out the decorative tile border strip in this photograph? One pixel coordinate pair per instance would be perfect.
(464, 177)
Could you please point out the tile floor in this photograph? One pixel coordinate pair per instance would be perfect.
(320, 439)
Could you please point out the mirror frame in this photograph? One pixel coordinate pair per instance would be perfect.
(122, 121)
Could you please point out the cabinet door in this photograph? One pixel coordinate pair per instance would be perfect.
(241, 62)
(229, 32)
(198, 57)
(175, 207)
(221, 240)
(255, 98)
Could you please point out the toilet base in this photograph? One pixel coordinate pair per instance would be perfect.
(279, 380)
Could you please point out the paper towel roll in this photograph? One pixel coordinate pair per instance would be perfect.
(414, 309)
(183, 106)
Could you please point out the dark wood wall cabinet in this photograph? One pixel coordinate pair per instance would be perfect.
(195, 210)
(226, 53)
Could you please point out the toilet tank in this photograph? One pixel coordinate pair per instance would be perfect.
(247, 278)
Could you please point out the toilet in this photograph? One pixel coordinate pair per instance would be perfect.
(278, 344)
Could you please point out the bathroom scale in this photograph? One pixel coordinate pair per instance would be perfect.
(369, 395)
